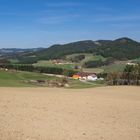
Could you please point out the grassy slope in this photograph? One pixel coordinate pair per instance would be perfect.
(93, 70)
(17, 79)
(50, 64)
(114, 68)
(109, 68)
(88, 57)
(136, 60)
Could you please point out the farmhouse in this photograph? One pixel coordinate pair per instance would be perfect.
(131, 64)
(85, 76)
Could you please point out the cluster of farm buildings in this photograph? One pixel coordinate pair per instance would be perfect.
(85, 76)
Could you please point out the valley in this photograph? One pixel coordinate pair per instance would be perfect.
(106, 59)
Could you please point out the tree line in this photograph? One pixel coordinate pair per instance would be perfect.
(130, 76)
(31, 68)
(98, 63)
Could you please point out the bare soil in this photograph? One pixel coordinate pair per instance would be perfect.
(105, 113)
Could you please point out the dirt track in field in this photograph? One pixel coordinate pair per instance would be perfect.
(105, 113)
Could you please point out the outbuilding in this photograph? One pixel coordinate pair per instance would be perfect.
(85, 76)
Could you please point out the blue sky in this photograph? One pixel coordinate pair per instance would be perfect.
(41, 23)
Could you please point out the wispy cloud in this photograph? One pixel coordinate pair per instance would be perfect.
(75, 17)
(64, 4)
(61, 12)
(107, 18)
(58, 19)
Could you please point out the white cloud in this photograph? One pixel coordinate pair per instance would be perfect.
(55, 19)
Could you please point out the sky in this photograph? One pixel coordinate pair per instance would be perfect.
(42, 23)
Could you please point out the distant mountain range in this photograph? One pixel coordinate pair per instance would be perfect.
(119, 49)
(15, 51)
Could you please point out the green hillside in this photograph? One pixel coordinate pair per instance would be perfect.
(19, 79)
(120, 49)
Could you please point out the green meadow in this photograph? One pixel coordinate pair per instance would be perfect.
(20, 79)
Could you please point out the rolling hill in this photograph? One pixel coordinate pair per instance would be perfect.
(119, 49)
(123, 48)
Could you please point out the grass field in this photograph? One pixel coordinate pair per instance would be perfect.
(50, 64)
(136, 60)
(110, 68)
(19, 79)
(93, 70)
(88, 57)
(114, 68)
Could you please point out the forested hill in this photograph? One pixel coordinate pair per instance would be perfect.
(120, 49)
